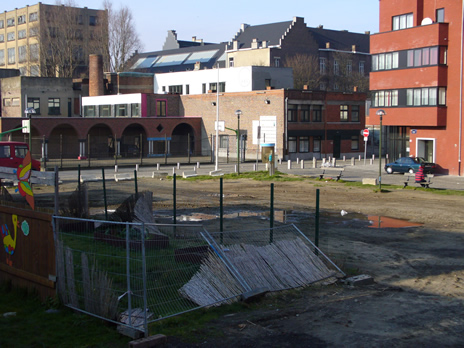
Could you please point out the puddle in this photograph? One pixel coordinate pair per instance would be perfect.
(385, 222)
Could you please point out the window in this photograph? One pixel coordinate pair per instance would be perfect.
(292, 113)
(104, 110)
(2, 57)
(440, 16)
(349, 68)
(92, 20)
(267, 82)
(2, 24)
(2, 37)
(223, 141)
(322, 68)
(277, 62)
(11, 56)
(355, 142)
(5, 151)
(317, 113)
(79, 19)
(34, 70)
(222, 86)
(425, 96)
(409, 96)
(442, 96)
(417, 97)
(34, 52)
(33, 17)
(22, 34)
(10, 36)
(403, 21)
(161, 108)
(135, 110)
(54, 106)
(175, 89)
(361, 67)
(22, 54)
(417, 57)
(6, 101)
(304, 144)
(433, 55)
(344, 113)
(231, 62)
(212, 87)
(15, 102)
(317, 144)
(90, 111)
(22, 19)
(381, 65)
(292, 144)
(120, 110)
(304, 113)
(336, 67)
(33, 31)
(10, 22)
(203, 88)
(355, 113)
(187, 89)
(34, 103)
(388, 61)
(432, 96)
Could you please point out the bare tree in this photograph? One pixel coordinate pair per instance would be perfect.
(123, 39)
(63, 44)
(342, 77)
(305, 70)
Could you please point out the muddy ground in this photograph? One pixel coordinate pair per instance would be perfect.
(417, 297)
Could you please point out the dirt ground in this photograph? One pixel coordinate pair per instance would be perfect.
(417, 297)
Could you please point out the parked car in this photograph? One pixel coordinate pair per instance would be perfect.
(12, 154)
(409, 165)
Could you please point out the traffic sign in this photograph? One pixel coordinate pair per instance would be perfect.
(366, 132)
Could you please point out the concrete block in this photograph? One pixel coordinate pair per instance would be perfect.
(216, 172)
(147, 342)
(369, 181)
(362, 279)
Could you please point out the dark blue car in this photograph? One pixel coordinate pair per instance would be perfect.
(409, 165)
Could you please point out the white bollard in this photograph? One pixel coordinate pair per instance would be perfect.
(334, 162)
(302, 164)
(373, 157)
(323, 160)
(115, 168)
(173, 170)
(314, 162)
(371, 161)
(359, 158)
(255, 167)
(297, 160)
(235, 168)
(267, 166)
(157, 166)
(289, 164)
(352, 161)
(178, 165)
(194, 169)
(344, 158)
(198, 164)
(136, 167)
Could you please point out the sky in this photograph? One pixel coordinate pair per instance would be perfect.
(216, 22)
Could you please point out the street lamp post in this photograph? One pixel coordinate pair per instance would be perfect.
(238, 113)
(380, 113)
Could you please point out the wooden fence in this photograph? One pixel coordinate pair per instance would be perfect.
(28, 255)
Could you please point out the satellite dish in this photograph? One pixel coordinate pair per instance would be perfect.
(426, 21)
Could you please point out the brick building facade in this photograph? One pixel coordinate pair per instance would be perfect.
(417, 79)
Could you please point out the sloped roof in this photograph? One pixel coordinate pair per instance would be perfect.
(272, 33)
(340, 39)
(181, 59)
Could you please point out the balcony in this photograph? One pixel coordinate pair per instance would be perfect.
(422, 36)
(410, 116)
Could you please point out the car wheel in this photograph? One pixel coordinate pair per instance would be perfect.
(411, 171)
(389, 170)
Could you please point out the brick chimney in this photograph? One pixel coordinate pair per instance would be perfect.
(95, 75)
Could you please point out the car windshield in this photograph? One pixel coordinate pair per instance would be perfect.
(420, 160)
(20, 151)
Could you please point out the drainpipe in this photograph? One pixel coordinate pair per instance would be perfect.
(460, 92)
(285, 127)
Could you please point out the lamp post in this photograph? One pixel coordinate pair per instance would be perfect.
(30, 111)
(380, 113)
(238, 113)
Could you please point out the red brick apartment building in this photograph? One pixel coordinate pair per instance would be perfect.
(417, 79)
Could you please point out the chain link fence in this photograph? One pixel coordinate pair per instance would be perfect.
(133, 274)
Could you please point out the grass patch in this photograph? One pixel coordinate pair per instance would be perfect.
(259, 176)
(32, 326)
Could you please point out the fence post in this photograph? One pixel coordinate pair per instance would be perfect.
(141, 149)
(129, 294)
(174, 199)
(144, 280)
(104, 194)
(136, 188)
(271, 215)
(188, 147)
(316, 223)
(88, 150)
(221, 209)
(61, 151)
